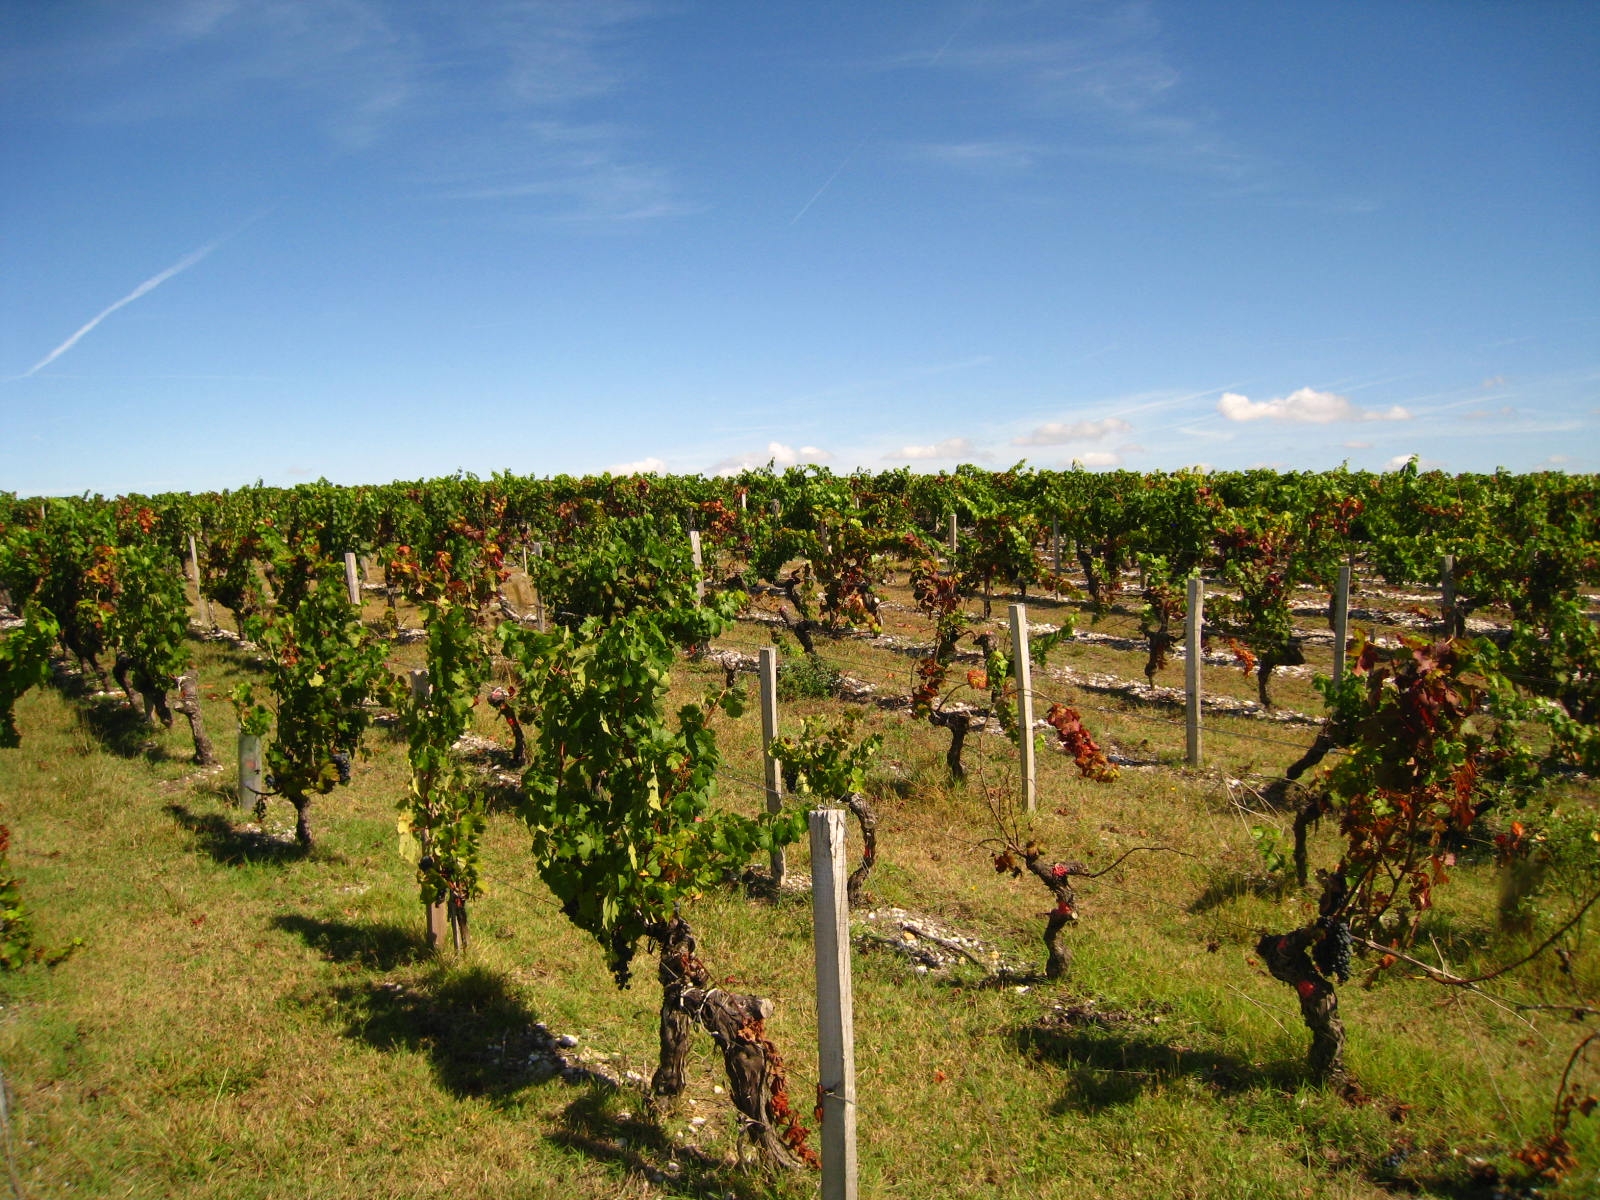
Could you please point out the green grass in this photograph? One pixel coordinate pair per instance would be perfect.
(243, 1021)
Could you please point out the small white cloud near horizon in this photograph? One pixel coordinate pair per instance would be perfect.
(949, 448)
(778, 454)
(1356, 444)
(1306, 406)
(645, 466)
(1399, 461)
(1095, 460)
(1059, 433)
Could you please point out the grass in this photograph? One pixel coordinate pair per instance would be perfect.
(247, 1021)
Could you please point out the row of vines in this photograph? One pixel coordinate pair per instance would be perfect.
(1463, 729)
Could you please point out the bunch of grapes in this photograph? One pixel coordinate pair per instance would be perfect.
(341, 763)
(1332, 952)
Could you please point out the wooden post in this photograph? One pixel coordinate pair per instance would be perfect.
(694, 553)
(836, 1053)
(1341, 622)
(1055, 545)
(194, 562)
(768, 658)
(1023, 670)
(436, 917)
(352, 581)
(1192, 624)
(744, 501)
(1447, 593)
(952, 534)
(538, 594)
(249, 770)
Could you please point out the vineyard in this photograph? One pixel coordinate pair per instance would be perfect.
(1210, 834)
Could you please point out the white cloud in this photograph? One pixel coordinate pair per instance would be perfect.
(1107, 65)
(514, 76)
(1059, 433)
(778, 454)
(1355, 444)
(645, 466)
(1098, 459)
(1306, 406)
(949, 448)
(1398, 461)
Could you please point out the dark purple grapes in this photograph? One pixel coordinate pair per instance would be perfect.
(341, 763)
(1332, 952)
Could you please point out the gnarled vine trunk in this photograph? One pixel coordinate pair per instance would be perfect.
(857, 803)
(1290, 654)
(302, 819)
(959, 723)
(500, 701)
(189, 705)
(1287, 957)
(737, 1024)
(456, 910)
(1058, 878)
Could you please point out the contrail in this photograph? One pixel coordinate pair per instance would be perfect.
(829, 183)
(149, 285)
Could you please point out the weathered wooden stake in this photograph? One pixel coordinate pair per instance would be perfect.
(1023, 670)
(694, 553)
(768, 658)
(194, 562)
(538, 594)
(1341, 622)
(836, 1053)
(1192, 623)
(953, 532)
(352, 579)
(1447, 593)
(250, 785)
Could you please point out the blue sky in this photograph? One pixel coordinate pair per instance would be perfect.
(369, 240)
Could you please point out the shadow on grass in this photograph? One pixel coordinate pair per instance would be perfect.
(376, 946)
(119, 727)
(643, 1147)
(1231, 885)
(1109, 1066)
(480, 1038)
(232, 846)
